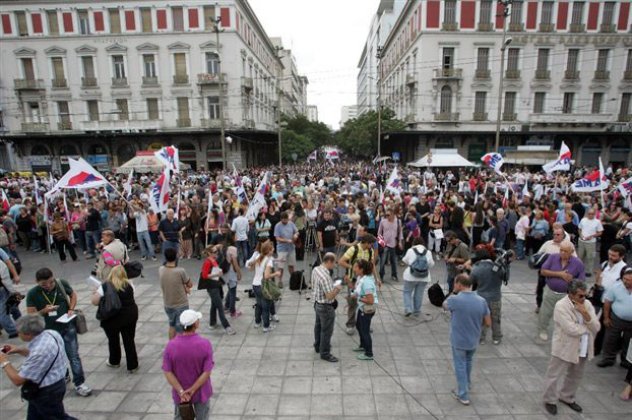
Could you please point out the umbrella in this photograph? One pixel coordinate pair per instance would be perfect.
(145, 164)
(442, 158)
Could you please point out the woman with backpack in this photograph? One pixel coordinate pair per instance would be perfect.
(212, 272)
(263, 262)
(416, 276)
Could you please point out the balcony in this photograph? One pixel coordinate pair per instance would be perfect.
(210, 123)
(119, 82)
(116, 125)
(88, 82)
(28, 84)
(607, 28)
(482, 74)
(516, 27)
(577, 28)
(449, 26)
(512, 74)
(246, 83)
(542, 75)
(249, 124)
(573, 118)
(625, 118)
(183, 122)
(150, 81)
(447, 116)
(59, 83)
(181, 79)
(479, 116)
(627, 75)
(485, 27)
(211, 78)
(448, 73)
(602, 75)
(546, 27)
(410, 119)
(571, 75)
(34, 127)
(411, 80)
(510, 116)
(64, 125)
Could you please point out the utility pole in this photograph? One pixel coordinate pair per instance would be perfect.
(503, 47)
(222, 138)
(278, 109)
(378, 103)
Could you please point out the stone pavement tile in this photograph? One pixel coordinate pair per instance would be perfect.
(12, 401)
(155, 382)
(275, 354)
(354, 405)
(388, 405)
(99, 380)
(327, 385)
(249, 353)
(124, 381)
(230, 403)
(12, 414)
(424, 405)
(505, 383)
(105, 401)
(530, 382)
(326, 405)
(384, 385)
(356, 385)
(279, 341)
(488, 404)
(163, 402)
(534, 350)
(137, 402)
(294, 405)
(438, 367)
(410, 368)
(432, 353)
(74, 403)
(238, 383)
(297, 385)
(301, 352)
(271, 368)
(245, 367)
(442, 384)
(155, 416)
(300, 367)
(532, 417)
(450, 406)
(267, 385)
(416, 384)
(610, 402)
(522, 403)
(262, 405)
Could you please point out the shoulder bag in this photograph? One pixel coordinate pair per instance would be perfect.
(30, 389)
(80, 321)
(110, 303)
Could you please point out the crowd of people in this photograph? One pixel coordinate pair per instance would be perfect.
(347, 216)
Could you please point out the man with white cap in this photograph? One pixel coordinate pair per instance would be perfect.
(187, 364)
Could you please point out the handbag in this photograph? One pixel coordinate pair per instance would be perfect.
(368, 309)
(81, 324)
(30, 389)
(270, 290)
(110, 303)
(186, 411)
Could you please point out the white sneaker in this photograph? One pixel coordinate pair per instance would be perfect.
(230, 331)
(154, 258)
(213, 327)
(275, 318)
(257, 325)
(143, 258)
(543, 336)
(350, 331)
(83, 390)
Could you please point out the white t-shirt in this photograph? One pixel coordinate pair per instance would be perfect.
(410, 258)
(260, 270)
(141, 221)
(589, 227)
(521, 226)
(609, 275)
(240, 227)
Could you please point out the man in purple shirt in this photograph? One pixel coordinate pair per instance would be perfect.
(558, 270)
(187, 365)
(390, 230)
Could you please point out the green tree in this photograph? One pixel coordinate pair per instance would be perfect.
(358, 136)
(293, 142)
(317, 132)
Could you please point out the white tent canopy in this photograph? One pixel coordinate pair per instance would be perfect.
(144, 163)
(442, 158)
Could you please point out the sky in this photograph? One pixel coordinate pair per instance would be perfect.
(326, 38)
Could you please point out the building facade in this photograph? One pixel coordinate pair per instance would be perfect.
(312, 113)
(348, 112)
(106, 79)
(293, 98)
(568, 76)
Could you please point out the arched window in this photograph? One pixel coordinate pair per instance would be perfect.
(212, 63)
(446, 100)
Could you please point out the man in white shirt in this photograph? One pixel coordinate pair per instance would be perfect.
(142, 232)
(241, 226)
(590, 229)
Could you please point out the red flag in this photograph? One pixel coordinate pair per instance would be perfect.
(5, 201)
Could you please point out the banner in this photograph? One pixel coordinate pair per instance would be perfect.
(258, 201)
(239, 187)
(170, 156)
(563, 162)
(80, 175)
(313, 156)
(393, 183)
(160, 193)
(594, 181)
(127, 188)
(626, 187)
(494, 160)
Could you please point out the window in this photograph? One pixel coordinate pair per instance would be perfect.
(183, 108)
(578, 13)
(212, 63)
(62, 112)
(93, 110)
(149, 65)
(479, 102)
(448, 58)
(512, 58)
(446, 100)
(53, 23)
(58, 71)
(209, 18)
(88, 66)
(628, 62)
(152, 109)
(602, 60)
(543, 59)
(145, 17)
(482, 62)
(547, 13)
(486, 11)
(572, 61)
(22, 27)
(180, 62)
(608, 13)
(84, 22)
(538, 102)
(178, 19)
(567, 103)
(625, 104)
(213, 107)
(449, 15)
(122, 110)
(516, 13)
(597, 101)
(28, 69)
(115, 21)
(510, 105)
(33, 112)
(119, 66)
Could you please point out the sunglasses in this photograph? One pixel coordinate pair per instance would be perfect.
(581, 296)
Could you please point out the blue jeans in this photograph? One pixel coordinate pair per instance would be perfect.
(169, 244)
(363, 325)
(80, 238)
(231, 299)
(93, 237)
(463, 370)
(262, 310)
(6, 321)
(391, 255)
(217, 308)
(520, 248)
(71, 344)
(144, 242)
(49, 403)
(413, 295)
(242, 252)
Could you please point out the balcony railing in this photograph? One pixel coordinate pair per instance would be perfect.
(150, 81)
(28, 84)
(411, 80)
(516, 27)
(246, 83)
(571, 75)
(627, 75)
(575, 118)
(410, 119)
(59, 83)
(485, 27)
(181, 79)
(602, 75)
(510, 116)
(480, 116)
(119, 82)
(449, 73)
(546, 27)
(512, 74)
(446, 116)
(87, 82)
(183, 122)
(64, 125)
(625, 117)
(34, 127)
(249, 124)
(607, 27)
(482, 74)
(542, 74)
(577, 27)
(210, 123)
(449, 26)
(210, 78)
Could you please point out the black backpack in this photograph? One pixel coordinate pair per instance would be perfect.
(436, 296)
(419, 267)
(222, 261)
(297, 281)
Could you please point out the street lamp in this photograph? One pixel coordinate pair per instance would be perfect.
(222, 139)
(504, 45)
(378, 55)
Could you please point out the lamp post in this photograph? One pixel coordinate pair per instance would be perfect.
(378, 103)
(222, 133)
(504, 45)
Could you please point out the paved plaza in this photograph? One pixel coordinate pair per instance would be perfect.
(278, 375)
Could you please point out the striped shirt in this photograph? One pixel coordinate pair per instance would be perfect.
(42, 352)
(321, 284)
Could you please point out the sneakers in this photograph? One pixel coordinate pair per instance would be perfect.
(459, 399)
(358, 349)
(496, 342)
(543, 336)
(230, 331)
(408, 314)
(108, 364)
(363, 356)
(213, 327)
(236, 314)
(257, 325)
(143, 258)
(83, 390)
(275, 318)
(133, 370)
(270, 328)
(394, 278)
(154, 259)
(350, 331)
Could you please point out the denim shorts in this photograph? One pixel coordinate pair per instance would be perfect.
(174, 317)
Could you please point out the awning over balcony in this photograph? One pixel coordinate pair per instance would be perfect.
(442, 158)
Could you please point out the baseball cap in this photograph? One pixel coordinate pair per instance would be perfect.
(189, 317)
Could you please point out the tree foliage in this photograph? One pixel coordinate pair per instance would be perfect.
(302, 136)
(293, 142)
(358, 136)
